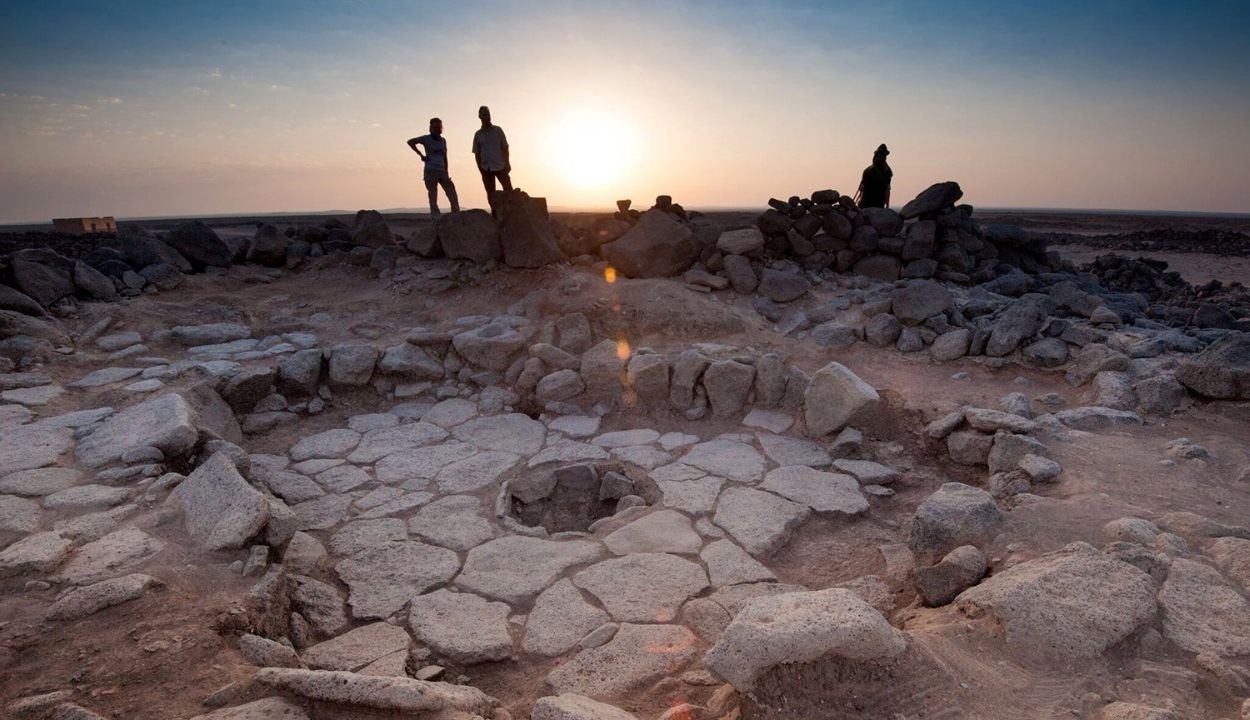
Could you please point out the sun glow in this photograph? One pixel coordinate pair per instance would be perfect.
(591, 148)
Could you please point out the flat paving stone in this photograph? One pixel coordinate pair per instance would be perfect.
(335, 443)
(637, 657)
(676, 472)
(821, 491)
(31, 446)
(673, 440)
(568, 451)
(34, 396)
(18, 515)
(321, 513)
(475, 473)
(117, 553)
(77, 419)
(623, 438)
(357, 648)
(462, 627)
(372, 421)
(377, 497)
(560, 619)
(728, 564)
(786, 450)
(38, 482)
(771, 420)
(38, 553)
(867, 472)
(760, 521)
(400, 505)
(662, 531)
(514, 433)
(517, 568)
(576, 426)
(455, 522)
(360, 534)
(377, 444)
(83, 497)
(450, 413)
(421, 463)
(643, 587)
(291, 487)
(105, 376)
(728, 459)
(343, 478)
(644, 456)
(383, 579)
(696, 497)
(13, 415)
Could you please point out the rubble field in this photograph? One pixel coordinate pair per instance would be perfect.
(821, 462)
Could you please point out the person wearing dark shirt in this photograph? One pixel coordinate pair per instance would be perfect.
(436, 168)
(874, 187)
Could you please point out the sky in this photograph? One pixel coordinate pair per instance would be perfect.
(134, 108)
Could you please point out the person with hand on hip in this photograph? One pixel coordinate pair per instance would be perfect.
(437, 171)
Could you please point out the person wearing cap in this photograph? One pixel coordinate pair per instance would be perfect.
(874, 187)
(490, 147)
(436, 168)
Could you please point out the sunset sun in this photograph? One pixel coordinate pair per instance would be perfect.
(592, 148)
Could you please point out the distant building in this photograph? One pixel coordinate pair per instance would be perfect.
(81, 226)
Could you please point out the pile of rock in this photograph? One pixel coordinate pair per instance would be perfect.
(929, 237)
(1172, 300)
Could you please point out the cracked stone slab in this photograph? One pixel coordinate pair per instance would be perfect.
(662, 531)
(514, 433)
(643, 587)
(32, 446)
(517, 568)
(760, 521)
(635, 658)
(321, 513)
(820, 491)
(335, 443)
(166, 422)
(476, 472)
(361, 534)
(728, 564)
(421, 463)
(115, 554)
(384, 578)
(377, 444)
(560, 619)
(455, 522)
(625, 438)
(357, 648)
(568, 451)
(786, 450)
(728, 459)
(696, 497)
(462, 627)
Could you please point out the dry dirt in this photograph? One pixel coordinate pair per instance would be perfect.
(159, 657)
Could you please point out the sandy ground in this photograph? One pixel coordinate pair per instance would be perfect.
(160, 656)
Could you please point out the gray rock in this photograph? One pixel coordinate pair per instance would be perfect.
(628, 663)
(1020, 321)
(357, 648)
(696, 496)
(470, 235)
(200, 244)
(962, 568)
(739, 242)
(166, 422)
(867, 472)
(821, 491)
(300, 372)
(370, 533)
(39, 553)
(797, 628)
(741, 275)
(663, 531)
(377, 444)
(1096, 418)
(728, 383)
(492, 346)
(560, 385)
(987, 420)
(222, 511)
(834, 398)
(728, 564)
(1047, 352)
(209, 334)
(263, 652)
(656, 246)
(727, 458)
(84, 497)
(453, 522)
(1222, 370)
(883, 330)
(39, 481)
(1070, 604)
(115, 554)
(780, 286)
(93, 283)
(525, 231)
(1039, 469)
(384, 578)
(955, 515)
(273, 708)
(43, 283)
(18, 516)
(560, 618)
(951, 345)
(1114, 390)
(321, 605)
(933, 198)
(19, 302)
(1160, 395)
(571, 706)
(352, 365)
(688, 369)
(601, 368)
(402, 695)
(919, 301)
(1202, 612)
(516, 568)
(514, 433)
(462, 627)
(335, 443)
(648, 376)
(760, 521)
(1009, 449)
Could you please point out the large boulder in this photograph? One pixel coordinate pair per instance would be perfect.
(1019, 322)
(933, 198)
(834, 397)
(93, 283)
(657, 246)
(1220, 371)
(167, 423)
(142, 251)
(199, 244)
(492, 346)
(221, 510)
(44, 283)
(525, 231)
(881, 267)
(955, 515)
(1202, 612)
(470, 235)
(919, 301)
(800, 627)
(738, 242)
(371, 230)
(1070, 604)
(18, 302)
(268, 247)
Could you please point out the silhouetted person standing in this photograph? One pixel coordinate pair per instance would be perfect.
(874, 187)
(490, 147)
(436, 168)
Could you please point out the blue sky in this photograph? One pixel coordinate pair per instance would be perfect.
(147, 108)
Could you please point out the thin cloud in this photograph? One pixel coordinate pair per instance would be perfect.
(110, 101)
